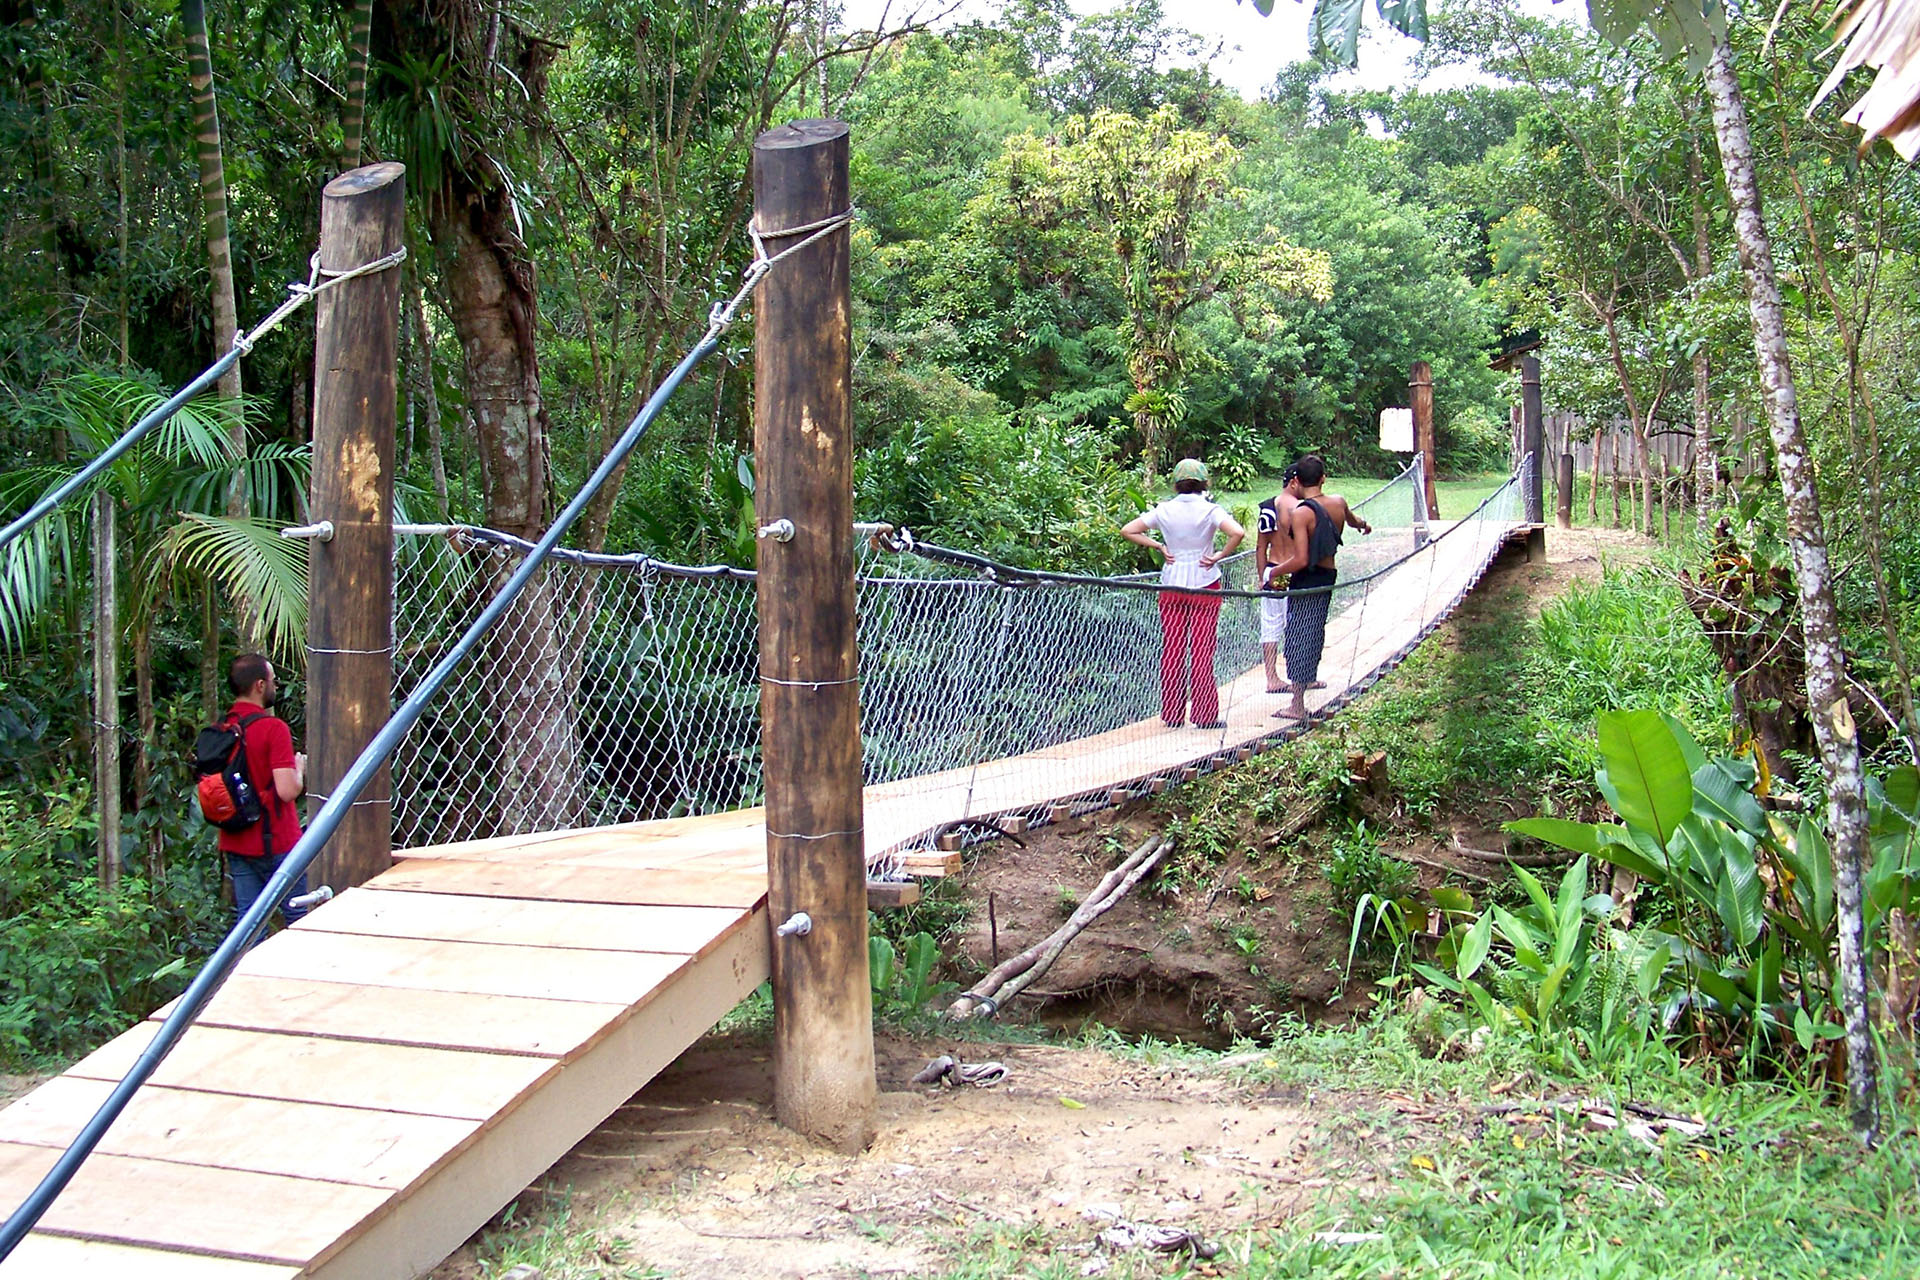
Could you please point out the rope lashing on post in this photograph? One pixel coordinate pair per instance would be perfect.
(367, 765)
(723, 313)
(299, 294)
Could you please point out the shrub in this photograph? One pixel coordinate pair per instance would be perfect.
(79, 964)
(1355, 868)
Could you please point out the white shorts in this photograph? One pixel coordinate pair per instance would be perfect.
(1273, 621)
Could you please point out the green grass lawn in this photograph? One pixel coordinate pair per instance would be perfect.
(1458, 494)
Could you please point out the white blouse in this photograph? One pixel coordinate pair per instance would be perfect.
(1187, 523)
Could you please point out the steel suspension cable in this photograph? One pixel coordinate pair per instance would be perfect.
(317, 283)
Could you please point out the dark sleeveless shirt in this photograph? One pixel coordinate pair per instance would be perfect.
(1325, 538)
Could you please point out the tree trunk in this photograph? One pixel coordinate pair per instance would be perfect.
(1819, 621)
(490, 291)
(210, 702)
(213, 208)
(426, 388)
(106, 688)
(125, 235)
(1705, 457)
(353, 117)
(143, 750)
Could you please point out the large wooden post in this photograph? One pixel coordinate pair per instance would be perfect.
(809, 703)
(1420, 396)
(1533, 448)
(350, 576)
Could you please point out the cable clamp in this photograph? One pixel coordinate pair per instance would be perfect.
(824, 835)
(723, 314)
(815, 685)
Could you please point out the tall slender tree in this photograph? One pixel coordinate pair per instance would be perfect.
(353, 118)
(1833, 725)
(213, 210)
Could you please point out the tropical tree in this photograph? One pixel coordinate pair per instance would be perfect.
(1142, 192)
(166, 497)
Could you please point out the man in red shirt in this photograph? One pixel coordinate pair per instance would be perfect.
(278, 773)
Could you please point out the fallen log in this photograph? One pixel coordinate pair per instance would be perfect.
(1014, 975)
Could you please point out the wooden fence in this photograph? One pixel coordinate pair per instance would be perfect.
(1742, 446)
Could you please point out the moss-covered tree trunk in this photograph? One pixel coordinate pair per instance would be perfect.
(1819, 619)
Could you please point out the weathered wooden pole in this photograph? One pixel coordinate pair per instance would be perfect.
(350, 575)
(106, 689)
(1420, 396)
(809, 702)
(1533, 449)
(1563, 505)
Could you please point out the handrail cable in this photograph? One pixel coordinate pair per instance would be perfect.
(347, 791)
(298, 295)
(904, 542)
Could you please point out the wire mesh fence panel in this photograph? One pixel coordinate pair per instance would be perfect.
(622, 689)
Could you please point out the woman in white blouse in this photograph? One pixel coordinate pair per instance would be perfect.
(1188, 524)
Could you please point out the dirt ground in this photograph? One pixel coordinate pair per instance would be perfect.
(694, 1179)
(12, 1087)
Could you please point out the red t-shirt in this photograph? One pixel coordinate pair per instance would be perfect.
(269, 747)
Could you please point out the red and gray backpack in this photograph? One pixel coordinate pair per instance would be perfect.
(228, 798)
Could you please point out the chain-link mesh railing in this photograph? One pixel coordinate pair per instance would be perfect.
(623, 689)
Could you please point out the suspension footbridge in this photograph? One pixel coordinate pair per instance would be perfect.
(591, 850)
(372, 1084)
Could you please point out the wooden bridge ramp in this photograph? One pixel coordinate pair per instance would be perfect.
(376, 1082)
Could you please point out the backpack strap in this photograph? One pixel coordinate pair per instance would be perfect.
(266, 799)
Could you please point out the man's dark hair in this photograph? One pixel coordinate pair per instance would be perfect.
(246, 671)
(1189, 486)
(1312, 470)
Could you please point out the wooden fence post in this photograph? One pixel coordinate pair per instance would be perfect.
(1533, 447)
(350, 576)
(809, 702)
(1420, 396)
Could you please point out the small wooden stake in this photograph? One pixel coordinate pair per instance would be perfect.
(350, 577)
(809, 705)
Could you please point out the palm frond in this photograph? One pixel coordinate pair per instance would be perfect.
(100, 407)
(264, 572)
(28, 569)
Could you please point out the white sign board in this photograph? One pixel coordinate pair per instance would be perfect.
(1396, 430)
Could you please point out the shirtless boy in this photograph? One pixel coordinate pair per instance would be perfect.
(1312, 538)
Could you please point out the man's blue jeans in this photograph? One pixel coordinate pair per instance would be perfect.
(250, 876)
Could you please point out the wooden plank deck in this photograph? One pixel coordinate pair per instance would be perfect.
(374, 1083)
